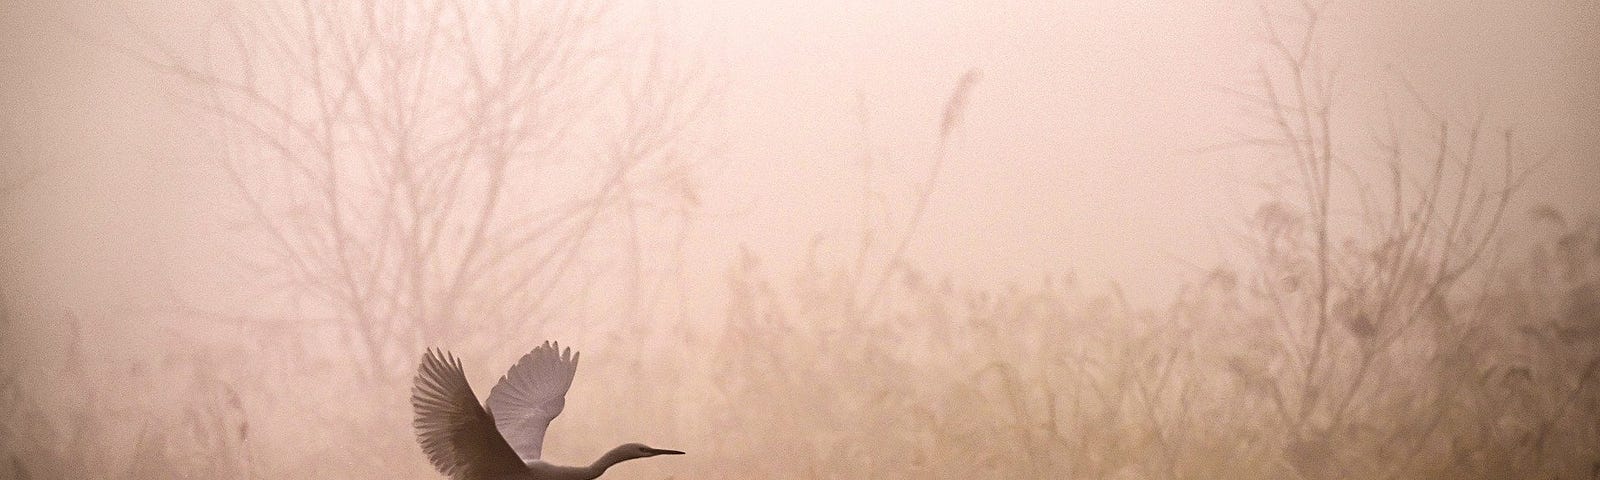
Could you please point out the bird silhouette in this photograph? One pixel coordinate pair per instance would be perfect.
(466, 442)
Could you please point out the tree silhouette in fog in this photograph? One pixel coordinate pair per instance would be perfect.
(443, 171)
(1376, 328)
(1375, 266)
(414, 171)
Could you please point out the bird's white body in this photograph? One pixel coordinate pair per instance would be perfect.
(466, 442)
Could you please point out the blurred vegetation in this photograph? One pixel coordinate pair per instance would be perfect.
(1026, 381)
(1436, 334)
(1041, 381)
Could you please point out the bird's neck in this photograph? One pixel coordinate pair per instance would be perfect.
(545, 470)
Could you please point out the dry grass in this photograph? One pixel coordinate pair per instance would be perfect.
(1423, 342)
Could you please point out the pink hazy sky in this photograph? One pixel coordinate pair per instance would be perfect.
(1082, 150)
(1082, 146)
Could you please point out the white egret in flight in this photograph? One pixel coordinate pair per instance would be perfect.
(467, 442)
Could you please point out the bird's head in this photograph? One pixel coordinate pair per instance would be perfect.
(625, 452)
(639, 450)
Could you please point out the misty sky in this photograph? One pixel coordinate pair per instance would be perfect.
(1084, 147)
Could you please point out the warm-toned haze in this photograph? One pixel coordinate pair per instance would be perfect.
(1183, 239)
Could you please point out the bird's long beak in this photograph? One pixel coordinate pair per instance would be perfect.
(661, 451)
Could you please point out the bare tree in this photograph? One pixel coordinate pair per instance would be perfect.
(430, 170)
(1368, 283)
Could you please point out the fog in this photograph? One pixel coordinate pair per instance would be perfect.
(1180, 239)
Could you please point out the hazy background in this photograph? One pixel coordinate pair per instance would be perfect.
(1101, 142)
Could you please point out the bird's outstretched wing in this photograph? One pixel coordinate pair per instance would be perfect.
(455, 432)
(530, 395)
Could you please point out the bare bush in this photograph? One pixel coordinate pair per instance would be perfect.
(413, 168)
(1369, 271)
